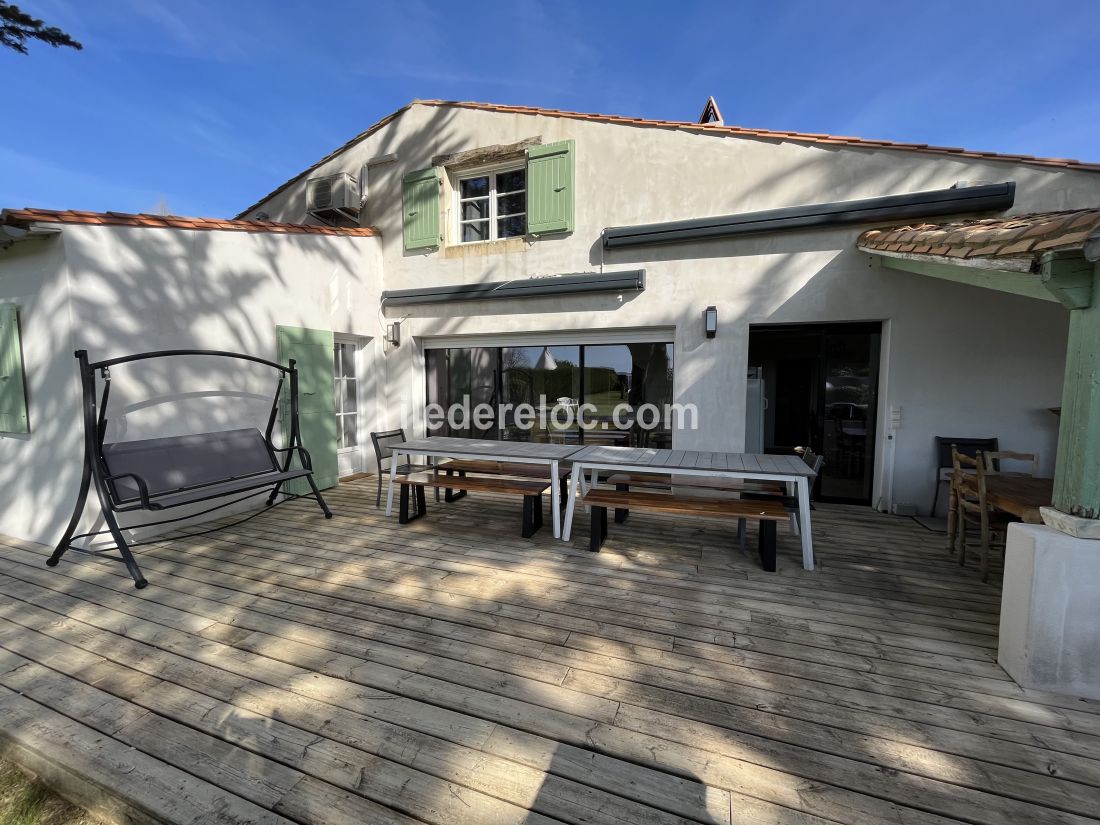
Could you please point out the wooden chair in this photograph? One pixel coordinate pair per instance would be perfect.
(993, 462)
(963, 469)
(974, 511)
(945, 447)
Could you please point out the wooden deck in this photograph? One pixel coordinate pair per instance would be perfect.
(357, 672)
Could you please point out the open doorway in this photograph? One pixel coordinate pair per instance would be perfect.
(820, 389)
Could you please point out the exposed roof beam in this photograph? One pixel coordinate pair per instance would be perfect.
(1092, 248)
(10, 235)
(1015, 282)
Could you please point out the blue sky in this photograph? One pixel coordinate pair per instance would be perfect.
(202, 106)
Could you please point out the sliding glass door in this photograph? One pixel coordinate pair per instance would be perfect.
(820, 382)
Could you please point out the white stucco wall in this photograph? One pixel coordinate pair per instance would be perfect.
(119, 290)
(958, 360)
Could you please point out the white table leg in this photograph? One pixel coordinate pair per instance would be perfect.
(395, 459)
(555, 499)
(804, 523)
(792, 492)
(574, 483)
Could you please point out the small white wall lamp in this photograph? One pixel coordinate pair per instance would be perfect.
(710, 321)
(393, 334)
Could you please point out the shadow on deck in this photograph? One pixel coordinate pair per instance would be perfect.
(290, 669)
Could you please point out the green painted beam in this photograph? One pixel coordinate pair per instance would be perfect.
(1077, 473)
(1001, 280)
(1068, 277)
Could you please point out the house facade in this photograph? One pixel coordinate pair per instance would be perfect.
(802, 307)
(522, 254)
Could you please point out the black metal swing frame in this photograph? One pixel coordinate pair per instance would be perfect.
(127, 491)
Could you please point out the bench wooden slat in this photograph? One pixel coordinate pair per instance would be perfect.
(767, 511)
(665, 481)
(490, 484)
(731, 508)
(503, 468)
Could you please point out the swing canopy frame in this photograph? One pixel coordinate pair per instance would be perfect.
(158, 474)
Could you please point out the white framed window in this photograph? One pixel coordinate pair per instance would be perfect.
(491, 204)
(345, 357)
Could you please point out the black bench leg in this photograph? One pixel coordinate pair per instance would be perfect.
(317, 495)
(742, 534)
(599, 529)
(767, 545)
(451, 495)
(563, 492)
(621, 512)
(403, 516)
(532, 515)
(418, 502)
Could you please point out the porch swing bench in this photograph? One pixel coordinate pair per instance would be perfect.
(160, 474)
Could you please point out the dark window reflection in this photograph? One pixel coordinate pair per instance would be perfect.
(627, 376)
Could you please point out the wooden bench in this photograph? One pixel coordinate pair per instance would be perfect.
(504, 468)
(748, 488)
(767, 512)
(530, 490)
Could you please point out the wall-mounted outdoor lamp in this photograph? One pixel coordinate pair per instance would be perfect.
(393, 334)
(710, 321)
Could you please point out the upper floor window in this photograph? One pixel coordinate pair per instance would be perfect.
(492, 205)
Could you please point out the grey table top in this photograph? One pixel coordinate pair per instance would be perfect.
(515, 450)
(668, 461)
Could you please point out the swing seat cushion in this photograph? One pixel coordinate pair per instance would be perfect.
(185, 469)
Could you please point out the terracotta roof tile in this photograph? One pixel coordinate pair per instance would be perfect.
(989, 237)
(21, 217)
(689, 126)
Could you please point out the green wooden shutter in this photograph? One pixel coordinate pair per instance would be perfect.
(420, 202)
(312, 350)
(550, 185)
(13, 394)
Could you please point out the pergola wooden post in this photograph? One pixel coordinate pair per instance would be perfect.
(1076, 282)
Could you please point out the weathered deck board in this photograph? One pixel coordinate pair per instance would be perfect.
(447, 671)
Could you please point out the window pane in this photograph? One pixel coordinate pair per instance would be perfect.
(348, 360)
(630, 375)
(532, 373)
(475, 231)
(474, 187)
(474, 210)
(511, 181)
(512, 204)
(349, 397)
(512, 227)
(349, 438)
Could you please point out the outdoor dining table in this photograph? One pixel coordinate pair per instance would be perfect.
(519, 452)
(789, 469)
(1022, 496)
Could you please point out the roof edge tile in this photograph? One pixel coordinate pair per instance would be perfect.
(22, 217)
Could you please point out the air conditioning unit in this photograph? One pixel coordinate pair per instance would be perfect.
(333, 197)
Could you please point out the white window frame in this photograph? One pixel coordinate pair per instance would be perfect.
(354, 458)
(491, 172)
